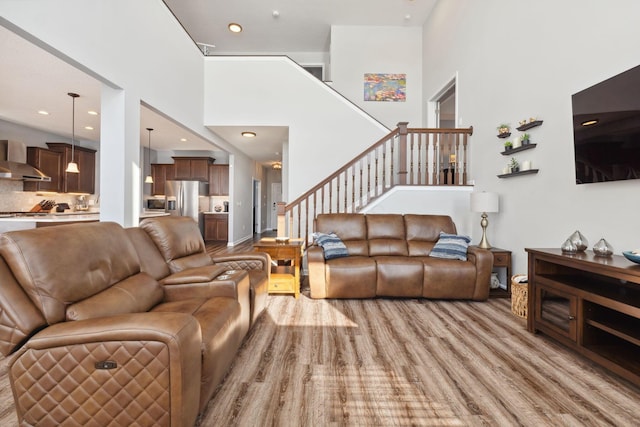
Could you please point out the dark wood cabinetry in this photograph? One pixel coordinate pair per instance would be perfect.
(50, 163)
(192, 168)
(160, 174)
(219, 180)
(83, 182)
(502, 259)
(216, 227)
(590, 304)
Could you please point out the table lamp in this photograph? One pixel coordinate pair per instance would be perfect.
(484, 202)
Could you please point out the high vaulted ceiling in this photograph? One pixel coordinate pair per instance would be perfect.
(285, 26)
(32, 79)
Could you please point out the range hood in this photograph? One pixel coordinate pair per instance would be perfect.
(13, 166)
(21, 172)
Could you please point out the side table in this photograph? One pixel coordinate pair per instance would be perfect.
(502, 259)
(284, 279)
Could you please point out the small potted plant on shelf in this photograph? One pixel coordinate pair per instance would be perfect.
(514, 165)
(504, 130)
(525, 138)
(508, 145)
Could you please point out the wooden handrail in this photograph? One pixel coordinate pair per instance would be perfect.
(342, 169)
(405, 156)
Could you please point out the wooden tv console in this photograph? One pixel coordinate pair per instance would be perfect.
(590, 304)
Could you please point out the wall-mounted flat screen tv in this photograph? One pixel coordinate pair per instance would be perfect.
(606, 129)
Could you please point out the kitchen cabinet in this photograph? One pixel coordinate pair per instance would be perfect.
(160, 174)
(219, 180)
(83, 182)
(193, 168)
(50, 163)
(216, 227)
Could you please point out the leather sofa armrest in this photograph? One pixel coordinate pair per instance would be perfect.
(166, 343)
(246, 261)
(483, 260)
(316, 265)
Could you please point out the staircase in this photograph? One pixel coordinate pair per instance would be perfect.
(405, 156)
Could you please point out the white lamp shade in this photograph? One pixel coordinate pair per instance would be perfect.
(148, 179)
(484, 202)
(72, 167)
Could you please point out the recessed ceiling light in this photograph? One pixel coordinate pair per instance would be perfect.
(590, 122)
(42, 112)
(93, 113)
(183, 139)
(88, 127)
(235, 28)
(247, 134)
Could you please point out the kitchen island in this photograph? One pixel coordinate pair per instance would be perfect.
(27, 221)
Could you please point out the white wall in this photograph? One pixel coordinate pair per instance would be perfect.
(357, 50)
(325, 130)
(515, 60)
(452, 201)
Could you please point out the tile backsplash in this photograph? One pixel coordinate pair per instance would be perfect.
(13, 199)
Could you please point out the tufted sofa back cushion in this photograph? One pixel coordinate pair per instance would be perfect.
(386, 235)
(18, 316)
(136, 294)
(58, 266)
(351, 228)
(423, 231)
(151, 261)
(179, 241)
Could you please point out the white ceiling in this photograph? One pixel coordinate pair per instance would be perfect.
(300, 25)
(32, 79)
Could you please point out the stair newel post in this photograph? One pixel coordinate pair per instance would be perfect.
(402, 155)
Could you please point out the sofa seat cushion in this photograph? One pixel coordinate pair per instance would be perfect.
(222, 334)
(448, 278)
(399, 276)
(351, 277)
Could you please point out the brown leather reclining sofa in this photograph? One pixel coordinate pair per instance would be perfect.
(115, 326)
(389, 256)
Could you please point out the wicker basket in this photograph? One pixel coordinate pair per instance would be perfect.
(519, 297)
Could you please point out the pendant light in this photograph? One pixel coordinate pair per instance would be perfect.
(72, 167)
(149, 178)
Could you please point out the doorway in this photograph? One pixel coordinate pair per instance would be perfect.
(443, 111)
(276, 196)
(257, 206)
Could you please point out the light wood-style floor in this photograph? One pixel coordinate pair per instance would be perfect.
(387, 362)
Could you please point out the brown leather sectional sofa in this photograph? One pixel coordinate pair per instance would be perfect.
(389, 256)
(115, 326)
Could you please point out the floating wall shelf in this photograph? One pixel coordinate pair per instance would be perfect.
(529, 125)
(516, 150)
(519, 173)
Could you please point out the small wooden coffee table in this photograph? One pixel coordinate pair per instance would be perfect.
(285, 279)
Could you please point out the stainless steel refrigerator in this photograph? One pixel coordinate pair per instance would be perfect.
(183, 199)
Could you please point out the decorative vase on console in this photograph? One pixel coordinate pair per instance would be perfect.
(568, 247)
(603, 248)
(579, 241)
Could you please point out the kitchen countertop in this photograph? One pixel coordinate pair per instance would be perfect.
(151, 214)
(217, 213)
(55, 217)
